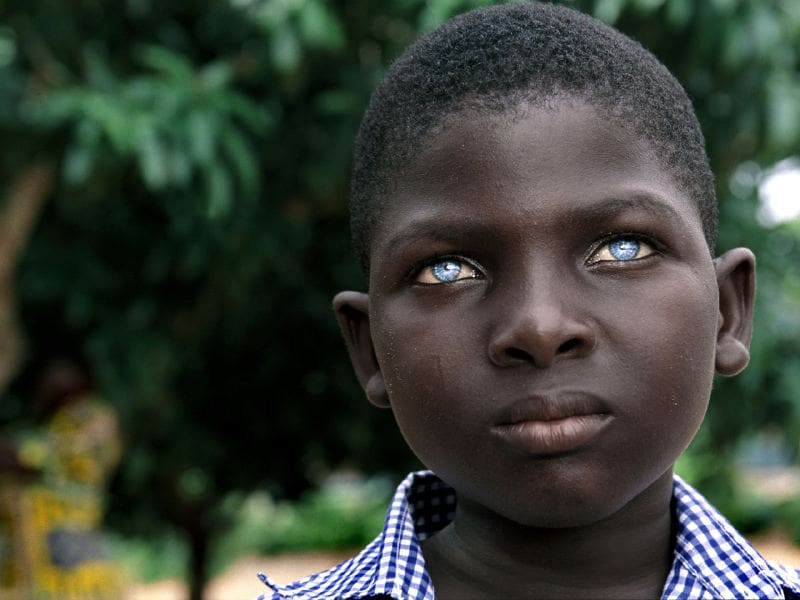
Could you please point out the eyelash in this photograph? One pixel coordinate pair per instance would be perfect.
(414, 272)
(607, 238)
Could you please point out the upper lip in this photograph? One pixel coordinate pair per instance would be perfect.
(552, 406)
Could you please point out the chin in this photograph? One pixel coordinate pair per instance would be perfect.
(572, 500)
(562, 513)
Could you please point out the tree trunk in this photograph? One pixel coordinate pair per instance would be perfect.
(198, 561)
(20, 213)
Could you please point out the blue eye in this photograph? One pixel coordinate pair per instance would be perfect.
(624, 248)
(446, 270)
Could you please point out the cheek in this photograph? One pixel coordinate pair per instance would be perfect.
(420, 349)
(429, 366)
(675, 347)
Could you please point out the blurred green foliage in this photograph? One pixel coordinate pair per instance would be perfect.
(176, 121)
(338, 515)
(198, 228)
(147, 560)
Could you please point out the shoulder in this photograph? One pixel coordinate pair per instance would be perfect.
(392, 565)
(712, 559)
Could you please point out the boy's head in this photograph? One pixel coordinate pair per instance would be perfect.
(544, 315)
(494, 58)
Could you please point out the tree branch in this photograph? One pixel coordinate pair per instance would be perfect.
(20, 214)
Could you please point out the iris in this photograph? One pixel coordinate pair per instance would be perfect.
(446, 270)
(624, 248)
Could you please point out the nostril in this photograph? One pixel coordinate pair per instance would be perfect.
(568, 345)
(517, 354)
(529, 343)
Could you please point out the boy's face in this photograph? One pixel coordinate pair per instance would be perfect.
(544, 314)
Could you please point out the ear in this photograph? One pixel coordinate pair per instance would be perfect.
(352, 312)
(736, 278)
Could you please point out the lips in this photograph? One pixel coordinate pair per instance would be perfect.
(552, 424)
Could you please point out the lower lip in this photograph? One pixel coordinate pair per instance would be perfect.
(556, 436)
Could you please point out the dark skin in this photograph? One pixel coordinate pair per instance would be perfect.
(544, 320)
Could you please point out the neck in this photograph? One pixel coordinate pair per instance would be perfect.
(628, 554)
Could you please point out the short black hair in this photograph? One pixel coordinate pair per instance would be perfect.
(496, 57)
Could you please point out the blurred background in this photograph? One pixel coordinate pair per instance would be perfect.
(173, 224)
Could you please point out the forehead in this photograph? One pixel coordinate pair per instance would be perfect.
(539, 162)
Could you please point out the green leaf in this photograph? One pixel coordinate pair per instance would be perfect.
(77, 164)
(254, 116)
(319, 26)
(179, 166)
(166, 62)
(285, 50)
(727, 7)
(201, 129)
(648, 6)
(783, 111)
(679, 13)
(274, 14)
(98, 73)
(338, 102)
(216, 75)
(113, 118)
(8, 46)
(242, 159)
(436, 12)
(79, 157)
(54, 108)
(738, 44)
(608, 10)
(218, 191)
(152, 157)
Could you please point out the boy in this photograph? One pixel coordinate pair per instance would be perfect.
(533, 205)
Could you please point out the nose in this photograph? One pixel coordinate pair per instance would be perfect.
(540, 331)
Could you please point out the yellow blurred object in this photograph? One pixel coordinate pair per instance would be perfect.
(54, 547)
(34, 453)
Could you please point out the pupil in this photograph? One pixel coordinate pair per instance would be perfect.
(624, 249)
(446, 270)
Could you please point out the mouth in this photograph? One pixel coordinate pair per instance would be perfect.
(552, 424)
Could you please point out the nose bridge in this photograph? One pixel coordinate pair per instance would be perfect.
(542, 320)
(542, 304)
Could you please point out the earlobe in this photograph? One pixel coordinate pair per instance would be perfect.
(352, 312)
(736, 279)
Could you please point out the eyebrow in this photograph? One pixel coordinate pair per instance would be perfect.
(457, 229)
(612, 207)
(430, 229)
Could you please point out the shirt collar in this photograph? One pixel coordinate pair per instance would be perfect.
(392, 564)
(712, 560)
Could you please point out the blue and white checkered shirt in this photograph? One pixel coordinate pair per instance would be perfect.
(712, 560)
